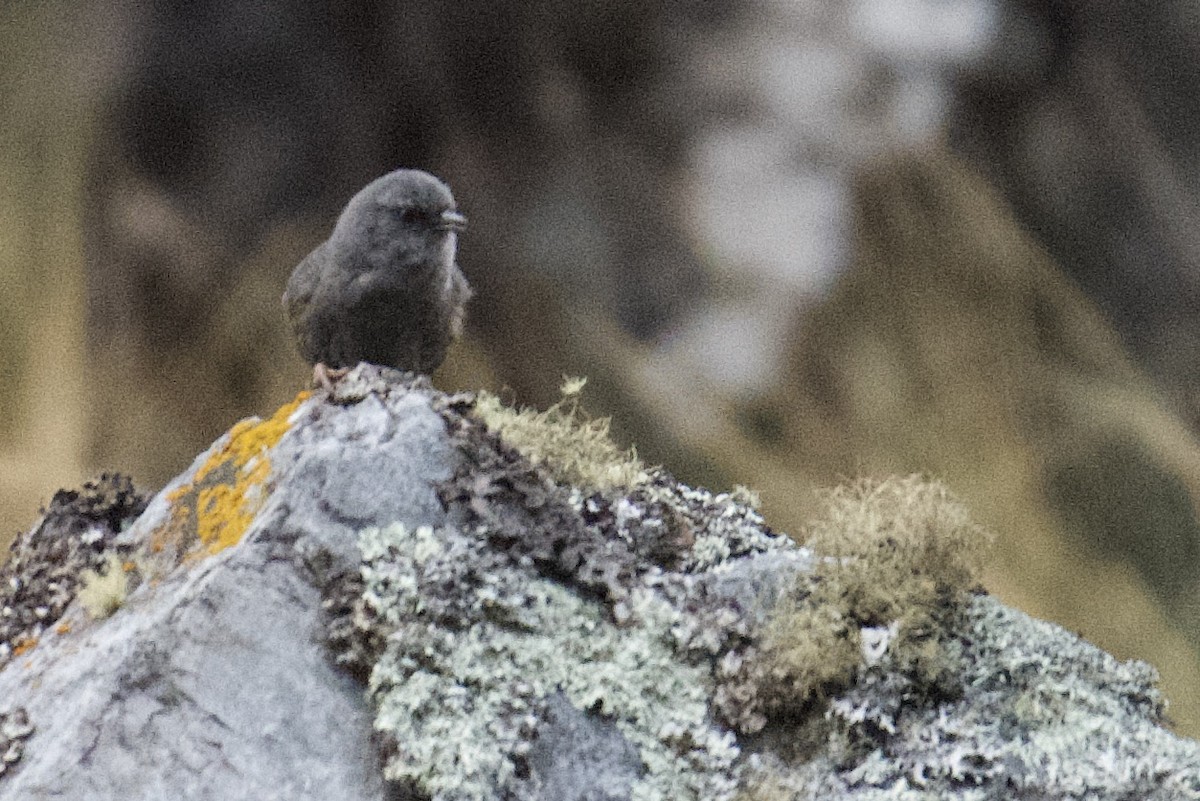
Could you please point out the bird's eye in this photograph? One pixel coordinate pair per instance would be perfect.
(410, 215)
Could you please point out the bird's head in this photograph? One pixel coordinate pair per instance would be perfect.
(406, 219)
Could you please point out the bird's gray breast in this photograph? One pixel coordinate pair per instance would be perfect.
(395, 319)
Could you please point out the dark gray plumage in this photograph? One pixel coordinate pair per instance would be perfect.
(384, 288)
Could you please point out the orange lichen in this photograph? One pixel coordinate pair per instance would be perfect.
(218, 504)
(62, 628)
(24, 645)
(250, 438)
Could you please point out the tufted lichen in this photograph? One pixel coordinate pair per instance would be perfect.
(899, 555)
(575, 448)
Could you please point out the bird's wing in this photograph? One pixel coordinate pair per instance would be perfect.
(298, 294)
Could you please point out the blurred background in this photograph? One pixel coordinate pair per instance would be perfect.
(788, 241)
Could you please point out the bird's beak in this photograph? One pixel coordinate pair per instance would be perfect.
(452, 220)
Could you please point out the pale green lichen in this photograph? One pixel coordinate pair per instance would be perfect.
(710, 550)
(102, 591)
(460, 697)
(725, 526)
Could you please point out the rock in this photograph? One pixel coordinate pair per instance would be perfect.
(212, 680)
(372, 596)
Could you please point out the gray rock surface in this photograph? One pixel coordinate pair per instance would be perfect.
(212, 680)
(489, 654)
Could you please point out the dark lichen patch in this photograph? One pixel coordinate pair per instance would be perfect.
(46, 565)
(352, 634)
(599, 541)
(524, 513)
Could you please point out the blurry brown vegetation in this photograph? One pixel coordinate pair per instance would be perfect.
(164, 166)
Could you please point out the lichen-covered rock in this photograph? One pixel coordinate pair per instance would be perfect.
(1036, 713)
(372, 595)
(47, 564)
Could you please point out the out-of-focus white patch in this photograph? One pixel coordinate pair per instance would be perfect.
(736, 346)
(931, 32)
(822, 88)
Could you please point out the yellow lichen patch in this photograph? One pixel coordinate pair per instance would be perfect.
(250, 438)
(24, 645)
(218, 504)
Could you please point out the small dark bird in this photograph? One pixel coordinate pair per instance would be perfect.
(384, 287)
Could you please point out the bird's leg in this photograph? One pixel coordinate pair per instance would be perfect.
(325, 376)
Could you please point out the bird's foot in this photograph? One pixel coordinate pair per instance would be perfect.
(326, 376)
